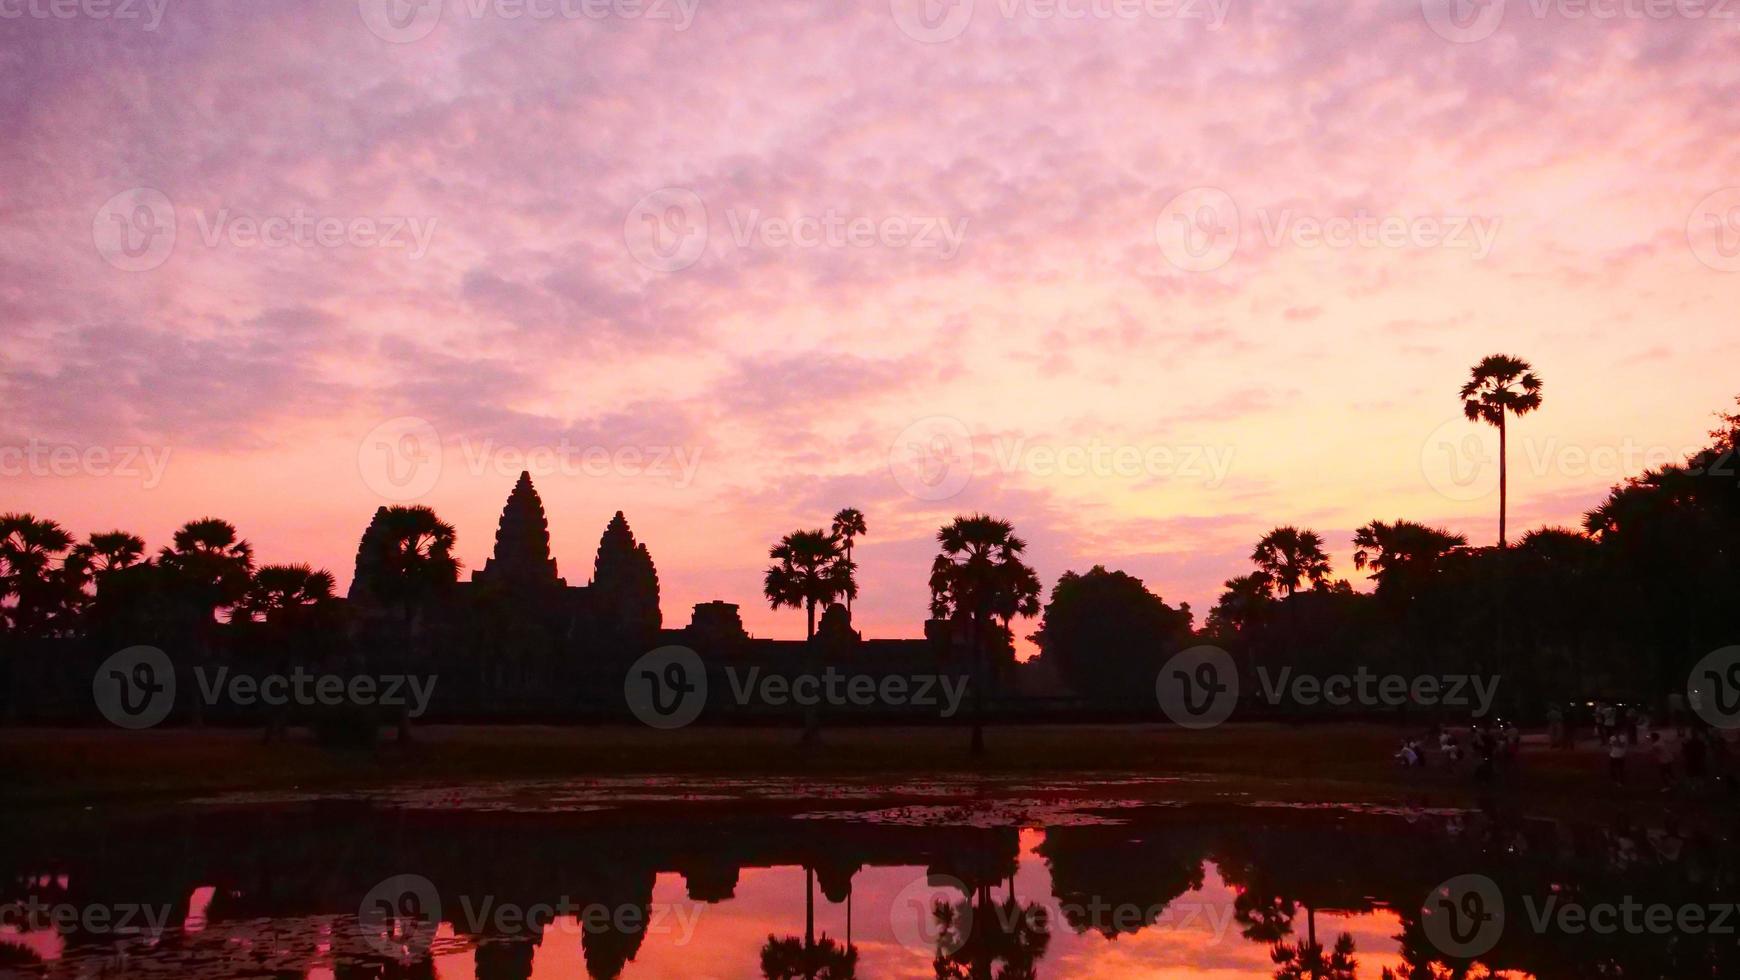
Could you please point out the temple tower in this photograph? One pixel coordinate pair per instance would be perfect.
(522, 543)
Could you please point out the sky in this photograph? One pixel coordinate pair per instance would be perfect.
(1145, 277)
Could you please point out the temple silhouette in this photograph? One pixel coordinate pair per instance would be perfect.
(517, 638)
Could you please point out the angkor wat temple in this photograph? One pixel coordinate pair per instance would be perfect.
(519, 639)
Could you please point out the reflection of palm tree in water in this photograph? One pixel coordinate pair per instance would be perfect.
(1264, 918)
(790, 957)
(1307, 961)
(989, 933)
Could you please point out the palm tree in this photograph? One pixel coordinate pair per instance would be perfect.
(1242, 605)
(109, 551)
(1403, 552)
(280, 589)
(41, 588)
(979, 575)
(1290, 557)
(207, 568)
(289, 598)
(1497, 386)
(811, 570)
(211, 566)
(411, 562)
(36, 573)
(848, 527)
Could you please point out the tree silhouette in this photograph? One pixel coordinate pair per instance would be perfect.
(1501, 385)
(1242, 606)
(278, 590)
(210, 566)
(1106, 632)
(1403, 554)
(806, 957)
(809, 569)
(407, 556)
(41, 581)
(978, 575)
(848, 527)
(206, 569)
(985, 939)
(1306, 960)
(291, 601)
(111, 551)
(1290, 557)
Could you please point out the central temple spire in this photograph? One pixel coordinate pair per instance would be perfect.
(522, 542)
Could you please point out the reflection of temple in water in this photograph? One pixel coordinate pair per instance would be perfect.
(276, 892)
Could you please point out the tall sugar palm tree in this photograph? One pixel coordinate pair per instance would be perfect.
(979, 574)
(849, 527)
(1498, 386)
(1290, 557)
(809, 570)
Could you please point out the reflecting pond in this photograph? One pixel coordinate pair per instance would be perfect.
(637, 880)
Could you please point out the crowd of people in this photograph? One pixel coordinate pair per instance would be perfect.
(1681, 755)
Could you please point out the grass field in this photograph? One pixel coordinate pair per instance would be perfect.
(1317, 763)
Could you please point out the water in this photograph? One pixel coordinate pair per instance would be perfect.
(709, 879)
